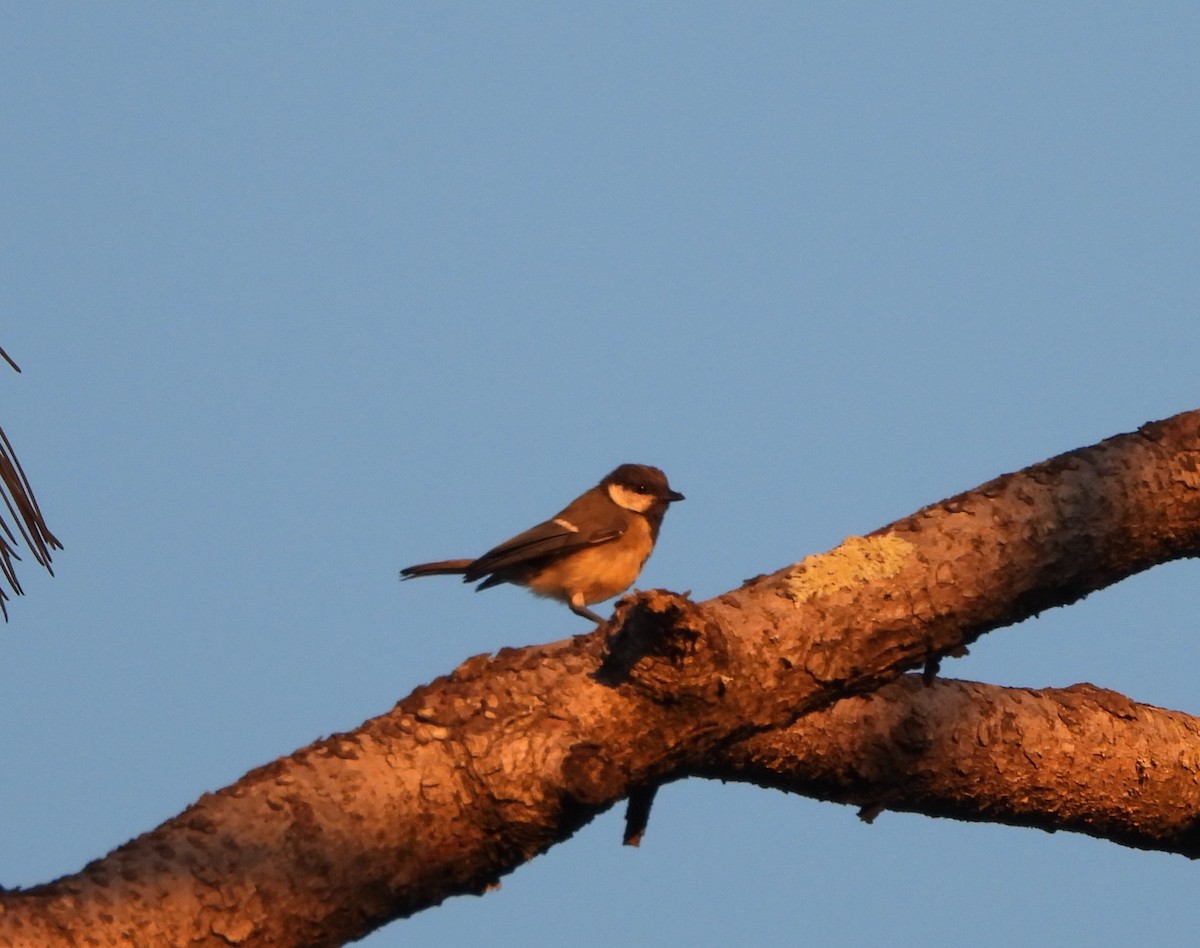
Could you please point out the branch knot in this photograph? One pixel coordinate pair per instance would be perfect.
(667, 647)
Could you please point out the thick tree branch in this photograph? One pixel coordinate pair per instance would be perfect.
(476, 773)
(1081, 758)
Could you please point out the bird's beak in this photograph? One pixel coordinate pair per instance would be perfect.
(673, 496)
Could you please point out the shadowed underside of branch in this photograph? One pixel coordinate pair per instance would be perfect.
(794, 680)
(24, 513)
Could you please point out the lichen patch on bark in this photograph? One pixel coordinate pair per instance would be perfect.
(857, 562)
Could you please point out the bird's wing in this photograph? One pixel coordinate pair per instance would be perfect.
(551, 537)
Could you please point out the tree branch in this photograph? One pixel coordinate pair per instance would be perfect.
(1082, 758)
(479, 771)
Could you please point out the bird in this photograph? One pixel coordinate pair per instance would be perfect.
(591, 550)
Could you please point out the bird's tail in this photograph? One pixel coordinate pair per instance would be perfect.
(443, 568)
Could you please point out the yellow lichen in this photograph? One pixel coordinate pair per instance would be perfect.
(858, 561)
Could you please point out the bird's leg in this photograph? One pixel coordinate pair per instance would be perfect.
(580, 609)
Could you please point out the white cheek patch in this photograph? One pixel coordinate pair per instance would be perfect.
(630, 499)
(566, 524)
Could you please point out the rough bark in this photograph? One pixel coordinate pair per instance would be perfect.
(474, 774)
(1082, 758)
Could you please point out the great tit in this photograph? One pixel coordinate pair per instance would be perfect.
(590, 551)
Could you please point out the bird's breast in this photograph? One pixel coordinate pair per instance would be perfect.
(598, 572)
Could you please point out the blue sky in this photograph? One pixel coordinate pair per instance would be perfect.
(306, 293)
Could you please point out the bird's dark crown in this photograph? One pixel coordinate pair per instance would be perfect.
(641, 478)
